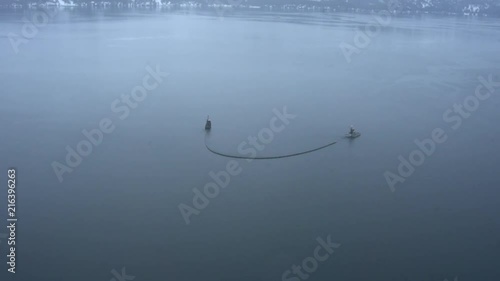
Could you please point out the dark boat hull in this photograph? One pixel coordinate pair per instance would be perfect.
(353, 135)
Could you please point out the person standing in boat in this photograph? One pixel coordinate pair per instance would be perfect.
(352, 131)
(208, 124)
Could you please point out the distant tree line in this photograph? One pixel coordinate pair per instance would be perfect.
(449, 6)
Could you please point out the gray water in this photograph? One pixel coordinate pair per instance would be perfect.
(120, 207)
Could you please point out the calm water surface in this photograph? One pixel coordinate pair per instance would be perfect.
(119, 207)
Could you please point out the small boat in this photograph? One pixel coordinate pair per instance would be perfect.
(352, 133)
(208, 125)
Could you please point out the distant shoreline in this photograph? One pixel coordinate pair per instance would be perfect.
(224, 7)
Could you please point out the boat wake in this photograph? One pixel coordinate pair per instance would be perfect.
(266, 157)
